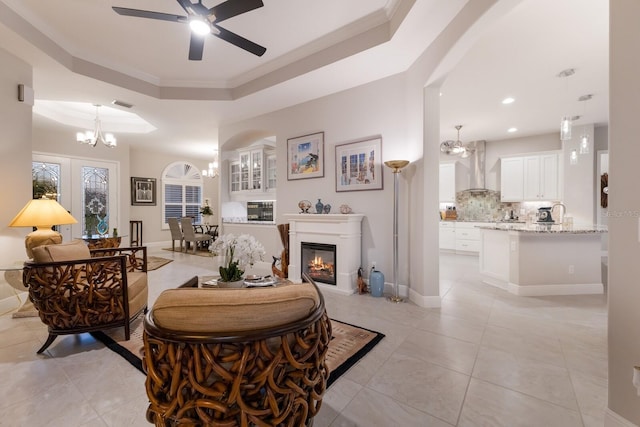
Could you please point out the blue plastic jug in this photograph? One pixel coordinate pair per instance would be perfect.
(376, 283)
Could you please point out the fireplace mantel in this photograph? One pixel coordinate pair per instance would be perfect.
(342, 230)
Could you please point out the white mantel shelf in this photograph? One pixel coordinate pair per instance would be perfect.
(342, 230)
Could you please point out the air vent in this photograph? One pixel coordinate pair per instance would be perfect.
(121, 103)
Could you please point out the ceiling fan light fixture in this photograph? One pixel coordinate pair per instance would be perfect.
(199, 25)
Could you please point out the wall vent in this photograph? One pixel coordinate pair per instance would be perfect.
(121, 103)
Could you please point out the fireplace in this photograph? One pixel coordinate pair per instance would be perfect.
(319, 262)
(338, 242)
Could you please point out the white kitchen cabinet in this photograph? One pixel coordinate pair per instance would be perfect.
(271, 172)
(249, 173)
(512, 179)
(530, 178)
(448, 235)
(468, 237)
(447, 183)
(541, 177)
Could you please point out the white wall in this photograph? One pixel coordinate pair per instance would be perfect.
(624, 208)
(374, 109)
(151, 164)
(15, 155)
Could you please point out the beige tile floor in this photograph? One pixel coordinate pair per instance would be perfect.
(485, 358)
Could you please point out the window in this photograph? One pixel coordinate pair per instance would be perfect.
(182, 192)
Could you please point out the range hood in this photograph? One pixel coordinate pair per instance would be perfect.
(477, 164)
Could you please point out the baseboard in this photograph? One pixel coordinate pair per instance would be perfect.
(426, 301)
(557, 289)
(611, 419)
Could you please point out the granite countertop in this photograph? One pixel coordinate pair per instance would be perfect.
(544, 228)
(246, 221)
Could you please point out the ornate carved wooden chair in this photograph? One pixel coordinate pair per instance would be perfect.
(78, 290)
(236, 357)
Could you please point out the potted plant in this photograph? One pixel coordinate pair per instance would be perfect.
(206, 212)
(237, 252)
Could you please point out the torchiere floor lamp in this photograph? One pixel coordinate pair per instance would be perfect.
(396, 165)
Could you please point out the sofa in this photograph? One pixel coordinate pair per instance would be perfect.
(77, 290)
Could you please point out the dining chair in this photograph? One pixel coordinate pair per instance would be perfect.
(190, 235)
(176, 233)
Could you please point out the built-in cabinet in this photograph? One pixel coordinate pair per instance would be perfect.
(249, 174)
(462, 237)
(447, 182)
(530, 178)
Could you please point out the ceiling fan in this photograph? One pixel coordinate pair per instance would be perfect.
(203, 21)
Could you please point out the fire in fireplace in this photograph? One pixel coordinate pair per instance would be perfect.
(319, 262)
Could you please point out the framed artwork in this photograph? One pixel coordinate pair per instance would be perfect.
(305, 156)
(143, 191)
(359, 165)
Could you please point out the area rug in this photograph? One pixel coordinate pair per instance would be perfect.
(155, 262)
(199, 252)
(348, 345)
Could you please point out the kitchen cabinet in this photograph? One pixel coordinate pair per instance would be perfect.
(468, 237)
(447, 183)
(447, 236)
(461, 237)
(530, 178)
(512, 179)
(541, 177)
(271, 172)
(248, 174)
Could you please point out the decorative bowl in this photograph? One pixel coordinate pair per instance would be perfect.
(304, 206)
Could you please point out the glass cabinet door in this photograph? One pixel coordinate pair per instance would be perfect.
(244, 171)
(234, 178)
(271, 172)
(256, 170)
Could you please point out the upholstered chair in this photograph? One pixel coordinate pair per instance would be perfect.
(78, 290)
(176, 233)
(190, 236)
(236, 357)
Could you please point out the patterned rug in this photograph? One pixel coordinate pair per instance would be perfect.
(155, 262)
(348, 344)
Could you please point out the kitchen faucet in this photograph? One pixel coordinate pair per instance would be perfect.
(564, 211)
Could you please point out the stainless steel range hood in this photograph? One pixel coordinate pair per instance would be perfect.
(477, 164)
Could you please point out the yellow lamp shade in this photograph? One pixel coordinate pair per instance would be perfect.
(42, 214)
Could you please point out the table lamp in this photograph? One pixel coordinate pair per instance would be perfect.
(42, 214)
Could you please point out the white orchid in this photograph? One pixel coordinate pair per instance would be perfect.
(239, 252)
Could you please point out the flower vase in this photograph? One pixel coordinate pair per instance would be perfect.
(206, 219)
(319, 206)
(233, 284)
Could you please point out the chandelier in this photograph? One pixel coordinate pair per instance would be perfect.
(212, 170)
(456, 148)
(92, 137)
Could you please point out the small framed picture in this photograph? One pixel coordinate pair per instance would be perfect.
(305, 156)
(143, 191)
(359, 165)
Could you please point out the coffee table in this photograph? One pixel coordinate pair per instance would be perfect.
(197, 282)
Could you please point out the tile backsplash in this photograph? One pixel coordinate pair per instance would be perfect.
(486, 206)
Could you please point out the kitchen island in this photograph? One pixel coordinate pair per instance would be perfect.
(536, 260)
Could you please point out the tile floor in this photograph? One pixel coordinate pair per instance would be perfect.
(485, 358)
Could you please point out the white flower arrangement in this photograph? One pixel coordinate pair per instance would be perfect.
(239, 252)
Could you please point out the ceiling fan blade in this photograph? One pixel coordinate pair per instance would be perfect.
(239, 41)
(196, 46)
(149, 14)
(194, 8)
(231, 8)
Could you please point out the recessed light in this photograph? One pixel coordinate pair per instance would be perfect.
(511, 130)
(508, 100)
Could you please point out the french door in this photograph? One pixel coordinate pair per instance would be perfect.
(87, 188)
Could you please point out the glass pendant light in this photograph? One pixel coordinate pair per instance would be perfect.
(565, 123)
(584, 143)
(584, 138)
(573, 158)
(565, 128)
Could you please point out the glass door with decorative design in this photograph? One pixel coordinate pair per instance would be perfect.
(51, 178)
(95, 202)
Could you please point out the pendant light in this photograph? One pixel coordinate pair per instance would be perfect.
(584, 147)
(573, 157)
(565, 123)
